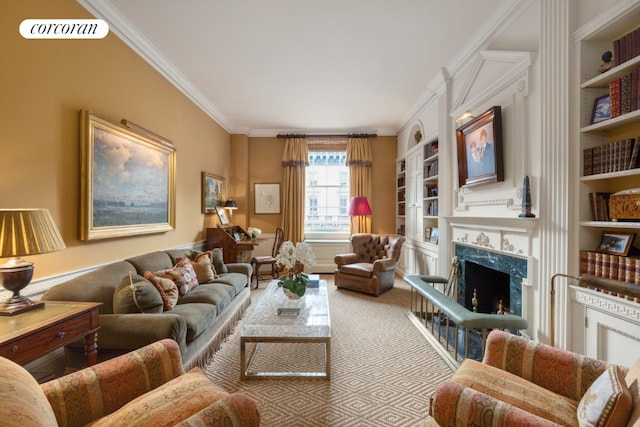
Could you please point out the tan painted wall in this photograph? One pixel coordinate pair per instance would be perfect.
(265, 157)
(45, 84)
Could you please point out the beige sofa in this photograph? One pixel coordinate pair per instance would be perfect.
(199, 322)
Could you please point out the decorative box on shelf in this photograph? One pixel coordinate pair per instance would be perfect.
(625, 205)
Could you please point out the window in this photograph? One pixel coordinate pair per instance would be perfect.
(327, 193)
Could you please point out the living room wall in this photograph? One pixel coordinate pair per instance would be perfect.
(265, 158)
(46, 83)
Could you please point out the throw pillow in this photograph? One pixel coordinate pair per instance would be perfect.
(607, 402)
(218, 261)
(167, 289)
(182, 274)
(202, 263)
(135, 294)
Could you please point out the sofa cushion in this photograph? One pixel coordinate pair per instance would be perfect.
(168, 404)
(202, 264)
(237, 281)
(166, 288)
(152, 261)
(607, 402)
(517, 391)
(363, 269)
(197, 316)
(23, 401)
(218, 261)
(135, 294)
(210, 293)
(182, 275)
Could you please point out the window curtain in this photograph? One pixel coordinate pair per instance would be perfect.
(294, 160)
(359, 160)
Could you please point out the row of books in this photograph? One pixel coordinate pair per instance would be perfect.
(432, 208)
(626, 47)
(430, 190)
(608, 266)
(612, 156)
(624, 94)
(401, 230)
(401, 181)
(599, 203)
(431, 149)
(431, 169)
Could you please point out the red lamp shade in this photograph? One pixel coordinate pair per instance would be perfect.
(359, 207)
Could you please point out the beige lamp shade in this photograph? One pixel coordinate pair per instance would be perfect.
(28, 232)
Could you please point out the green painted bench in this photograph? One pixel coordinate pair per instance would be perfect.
(439, 304)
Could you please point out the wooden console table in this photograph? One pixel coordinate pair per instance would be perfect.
(27, 336)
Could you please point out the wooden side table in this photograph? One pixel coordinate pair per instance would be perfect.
(27, 336)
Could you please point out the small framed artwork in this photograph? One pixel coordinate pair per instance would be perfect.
(434, 236)
(267, 198)
(427, 234)
(128, 181)
(615, 243)
(237, 237)
(222, 215)
(212, 192)
(479, 146)
(601, 109)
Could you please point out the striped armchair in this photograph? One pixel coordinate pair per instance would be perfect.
(144, 387)
(520, 382)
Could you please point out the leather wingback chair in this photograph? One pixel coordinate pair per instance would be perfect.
(372, 265)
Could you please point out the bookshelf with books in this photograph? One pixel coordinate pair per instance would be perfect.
(401, 190)
(430, 188)
(609, 139)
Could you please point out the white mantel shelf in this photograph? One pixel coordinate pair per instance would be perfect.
(512, 224)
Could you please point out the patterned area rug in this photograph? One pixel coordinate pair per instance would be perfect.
(382, 369)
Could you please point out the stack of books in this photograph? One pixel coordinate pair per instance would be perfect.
(612, 156)
(608, 266)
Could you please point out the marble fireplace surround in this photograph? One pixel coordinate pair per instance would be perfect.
(503, 244)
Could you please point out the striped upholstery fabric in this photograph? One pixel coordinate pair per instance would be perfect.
(22, 402)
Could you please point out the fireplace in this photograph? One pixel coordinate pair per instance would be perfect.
(486, 289)
(495, 275)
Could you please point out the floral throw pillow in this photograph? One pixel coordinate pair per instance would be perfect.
(182, 274)
(607, 402)
(202, 263)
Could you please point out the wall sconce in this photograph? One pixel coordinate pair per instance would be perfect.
(24, 232)
(359, 207)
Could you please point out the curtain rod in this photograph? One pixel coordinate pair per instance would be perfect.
(349, 135)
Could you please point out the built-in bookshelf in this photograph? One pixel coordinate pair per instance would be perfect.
(401, 195)
(430, 191)
(609, 143)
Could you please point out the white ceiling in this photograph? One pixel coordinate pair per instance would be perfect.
(263, 67)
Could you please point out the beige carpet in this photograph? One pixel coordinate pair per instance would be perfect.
(383, 370)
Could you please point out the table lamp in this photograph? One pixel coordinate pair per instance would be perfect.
(24, 232)
(359, 207)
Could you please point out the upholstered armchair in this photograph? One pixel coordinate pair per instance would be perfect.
(524, 383)
(146, 387)
(371, 267)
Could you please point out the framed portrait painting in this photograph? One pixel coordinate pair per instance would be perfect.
(479, 147)
(212, 192)
(128, 181)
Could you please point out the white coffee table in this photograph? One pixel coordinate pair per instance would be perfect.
(264, 325)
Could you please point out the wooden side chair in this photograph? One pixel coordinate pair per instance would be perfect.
(259, 261)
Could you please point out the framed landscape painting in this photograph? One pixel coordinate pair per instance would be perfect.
(127, 181)
(212, 192)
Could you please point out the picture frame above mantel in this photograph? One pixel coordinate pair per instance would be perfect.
(479, 149)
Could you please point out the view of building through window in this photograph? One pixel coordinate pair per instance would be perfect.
(327, 192)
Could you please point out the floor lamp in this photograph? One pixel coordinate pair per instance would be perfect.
(359, 207)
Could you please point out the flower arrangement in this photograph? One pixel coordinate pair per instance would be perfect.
(254, 232)
(291, 261)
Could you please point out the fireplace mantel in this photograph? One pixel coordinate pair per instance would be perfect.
(511, 236)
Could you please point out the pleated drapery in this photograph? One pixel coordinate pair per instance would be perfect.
(294, 161)
(359, 160)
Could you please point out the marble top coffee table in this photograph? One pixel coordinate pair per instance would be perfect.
(264, 325)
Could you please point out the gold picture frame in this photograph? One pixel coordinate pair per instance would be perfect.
(128, 181)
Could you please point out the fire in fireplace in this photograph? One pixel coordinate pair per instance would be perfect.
(488, 287)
